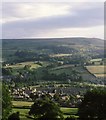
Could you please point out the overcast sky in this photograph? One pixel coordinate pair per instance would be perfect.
(43, 20)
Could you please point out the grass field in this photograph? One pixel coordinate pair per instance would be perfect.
(33, 65)
(18, 106)
(96, 60)
(69, 111)
(58, 70)
(60, 55)
(21, 103)
(97, 70)
(23, 112)
(66, 111)
(22, 64)
(100, 75)
(70, 69)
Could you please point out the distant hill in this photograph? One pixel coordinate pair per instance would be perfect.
(79, 40)
(76, 40)
(78, 46)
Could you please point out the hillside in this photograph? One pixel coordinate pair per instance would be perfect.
(55, 59)
(82, 71)
(80, 47)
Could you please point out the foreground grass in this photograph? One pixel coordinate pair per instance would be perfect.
(23, 113)
(66, 111)
(20, 107)
(69, 111)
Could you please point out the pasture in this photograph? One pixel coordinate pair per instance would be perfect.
(21, 103)
(22, 64)
(97, 70)
(20, 107)
(60, 55)
(72, 69)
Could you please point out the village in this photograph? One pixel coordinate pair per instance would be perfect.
(70, 97)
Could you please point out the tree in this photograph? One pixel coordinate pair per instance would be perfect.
(45, 109)
(34, 96)
(93, 105)
(71, 118)
(6, 102)
(14, 116)
(27, 67)
(7, 71)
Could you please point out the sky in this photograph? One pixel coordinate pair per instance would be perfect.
(52, 19)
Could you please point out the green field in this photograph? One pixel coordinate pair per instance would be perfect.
(21, 103)
(71, 69)
(23, 113)
(66, 111)
(22, 64)
(33, 66)
(68, 69)
(60, 55)
(19, 106)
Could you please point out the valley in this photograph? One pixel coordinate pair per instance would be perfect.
(61, 69)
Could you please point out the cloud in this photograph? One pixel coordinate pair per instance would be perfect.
(51, 1)
(79, 32)
(31, 20)
(13, 11)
